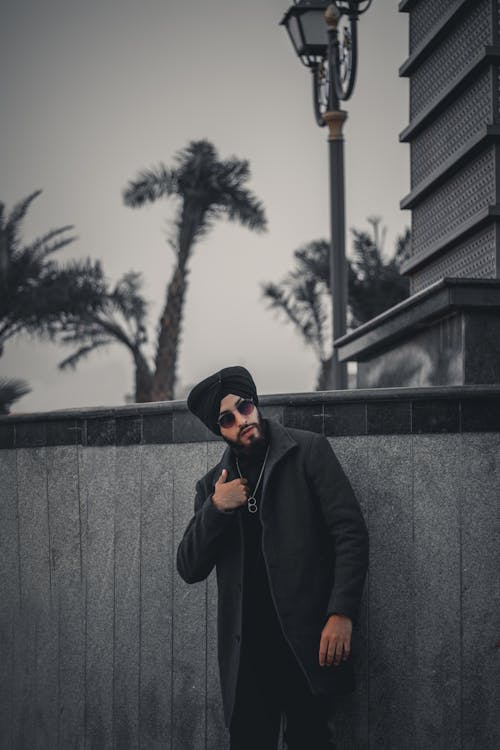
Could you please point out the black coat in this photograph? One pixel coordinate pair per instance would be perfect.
(315, 546)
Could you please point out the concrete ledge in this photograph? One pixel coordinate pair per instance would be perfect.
(416, 312)
(379, 411)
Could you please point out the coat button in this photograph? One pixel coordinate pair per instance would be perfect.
(238, 586)
(238, 638)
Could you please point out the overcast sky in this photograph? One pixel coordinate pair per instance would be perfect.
(93, 91)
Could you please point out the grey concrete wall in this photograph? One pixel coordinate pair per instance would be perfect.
(103, 646)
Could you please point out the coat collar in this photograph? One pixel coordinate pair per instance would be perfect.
(280, 443)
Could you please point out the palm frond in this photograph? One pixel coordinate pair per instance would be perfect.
(43, 246)
(243, 207)
(197, 156)
(43, 298)
(300, 303)
(313, 259)
(403, 248)
(82, 353)
(11, 390)
(126, 297)
(11, 230)
(149, 186)
(18, 212)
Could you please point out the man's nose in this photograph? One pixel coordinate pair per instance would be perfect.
(240, 418)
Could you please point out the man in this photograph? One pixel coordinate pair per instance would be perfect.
(279, 521)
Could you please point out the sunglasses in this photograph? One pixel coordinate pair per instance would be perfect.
(227, 418)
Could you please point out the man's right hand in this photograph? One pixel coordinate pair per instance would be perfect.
(229, 495)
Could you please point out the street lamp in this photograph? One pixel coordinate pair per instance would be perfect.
(324, 36)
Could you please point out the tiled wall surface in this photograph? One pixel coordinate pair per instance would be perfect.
(103, 646)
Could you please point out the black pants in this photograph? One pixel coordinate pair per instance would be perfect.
(271, 685)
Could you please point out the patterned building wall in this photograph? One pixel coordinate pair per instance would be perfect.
(451, 57)
(452, 151)
(473, 258)
(450, 131)
(103, 646)
(450, 207)
(425, 15)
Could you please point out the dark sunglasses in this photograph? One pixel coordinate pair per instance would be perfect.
(227, 418)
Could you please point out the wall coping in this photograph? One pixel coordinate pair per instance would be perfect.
(382, 411)
(416, 312)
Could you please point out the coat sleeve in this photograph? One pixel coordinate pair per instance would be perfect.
(198, 549)
(345, 525)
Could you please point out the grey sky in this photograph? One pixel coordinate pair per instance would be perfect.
(92, 92)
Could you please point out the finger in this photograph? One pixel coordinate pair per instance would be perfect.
(243, 487)
(337, 656)
(323, 648)
(222, 477)
(330, 653)
(347, 650)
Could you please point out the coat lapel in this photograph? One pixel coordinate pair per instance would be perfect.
(281, 443)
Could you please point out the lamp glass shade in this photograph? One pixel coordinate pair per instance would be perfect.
(307, 29)
(295, 31)
(314, 28)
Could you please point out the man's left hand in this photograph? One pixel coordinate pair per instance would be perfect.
(335, 644)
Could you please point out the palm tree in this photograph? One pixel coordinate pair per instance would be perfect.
(206, 189)
(375, 284)
(37, 295)
(11, 390)
(303, 297)
(122, 319)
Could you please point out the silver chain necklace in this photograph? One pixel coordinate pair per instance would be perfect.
(252, 500)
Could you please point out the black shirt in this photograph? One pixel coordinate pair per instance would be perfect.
(261, 626)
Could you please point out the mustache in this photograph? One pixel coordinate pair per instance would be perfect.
(245, 427)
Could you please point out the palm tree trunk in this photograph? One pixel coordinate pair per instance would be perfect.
(143, 379)
(164, 379)
(168, 339)
(324, 374)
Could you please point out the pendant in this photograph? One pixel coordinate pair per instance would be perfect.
(252, 504)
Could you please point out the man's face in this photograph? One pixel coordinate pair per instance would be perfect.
(246, 430)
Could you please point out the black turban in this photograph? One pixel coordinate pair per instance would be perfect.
(204, 400)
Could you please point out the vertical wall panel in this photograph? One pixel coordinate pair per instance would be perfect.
(189, 611)
(351, 712)
(127, 597)
(35, 650)
(97, 478)
(9, 589)
(156, 599)
(217, 735)
(481, 592)
(67, 593)
(436, 697)
(391, 592)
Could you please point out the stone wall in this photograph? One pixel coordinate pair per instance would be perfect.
(103, 646)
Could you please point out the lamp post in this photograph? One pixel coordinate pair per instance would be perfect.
(324, 36)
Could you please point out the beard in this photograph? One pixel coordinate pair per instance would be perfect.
(257, 442)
